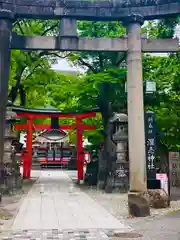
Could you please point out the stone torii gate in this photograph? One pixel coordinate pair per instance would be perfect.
(132, 13)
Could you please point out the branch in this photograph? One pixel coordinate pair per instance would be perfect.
(87, 65)
(15, 23)
(32, 71)
(101, 62)
(29, 26)
(22, 94)
(57, 55)
(18, 76)
(43, 53)
(14, 90)
(122, 58)
(26, 25)
(20, 28)
(49, 29)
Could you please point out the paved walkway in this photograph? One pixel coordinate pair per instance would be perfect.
(157, 227)
(56, 209)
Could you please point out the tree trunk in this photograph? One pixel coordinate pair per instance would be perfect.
(22, 95)
(14, 90)
(110, 155)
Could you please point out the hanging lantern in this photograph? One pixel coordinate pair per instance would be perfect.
(54, 123)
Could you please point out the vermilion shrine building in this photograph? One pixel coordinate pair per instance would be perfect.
(55, 115)
(53, 148)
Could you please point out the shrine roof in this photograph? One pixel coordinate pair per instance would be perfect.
(51, 112)
(53, 131)
(52, 135)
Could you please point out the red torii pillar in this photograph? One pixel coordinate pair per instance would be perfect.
(27, 156)
(29, 146)
(80, 154)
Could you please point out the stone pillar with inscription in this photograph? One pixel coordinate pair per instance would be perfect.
(158, 196)
(6, 18)
(138, 196)
(174, 174)
(151, 132)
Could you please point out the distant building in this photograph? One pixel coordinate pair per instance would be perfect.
(70, 72)
(64, 67)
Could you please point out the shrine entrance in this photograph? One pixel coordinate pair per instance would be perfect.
(132, 14)
(55, 115)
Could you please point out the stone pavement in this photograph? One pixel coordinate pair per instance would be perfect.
(165, 227)
(56, 209)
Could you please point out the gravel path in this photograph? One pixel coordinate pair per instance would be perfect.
(117, 203)
(164, 227)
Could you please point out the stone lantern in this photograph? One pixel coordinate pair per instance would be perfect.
(120, 138)
(12, 173)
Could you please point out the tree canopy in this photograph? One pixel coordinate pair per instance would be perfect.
(103, 83)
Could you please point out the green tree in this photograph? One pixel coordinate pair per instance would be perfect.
(29, 65)
(165, 71)
(94, 62)
(103, 83)
(165, 102)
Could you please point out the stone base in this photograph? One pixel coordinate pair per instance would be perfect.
(101, 184)
(108, 189)
(11, 184)
(109, 184)
(80, 182)
(138, 204)
(158, 198)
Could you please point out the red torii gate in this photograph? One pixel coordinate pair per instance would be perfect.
(31, 114)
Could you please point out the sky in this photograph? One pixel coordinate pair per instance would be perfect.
(63, 65)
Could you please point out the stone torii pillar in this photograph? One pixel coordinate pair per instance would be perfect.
(6, 18)
(137, 198)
